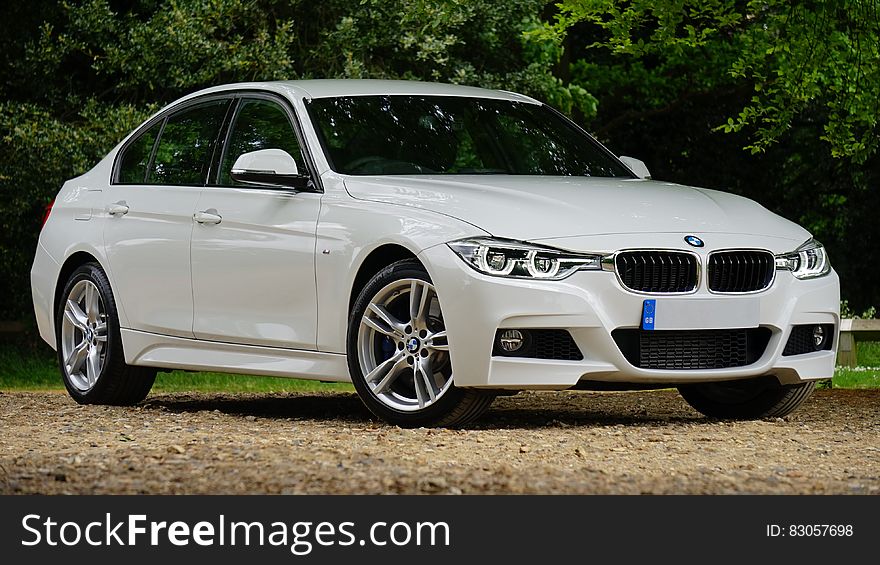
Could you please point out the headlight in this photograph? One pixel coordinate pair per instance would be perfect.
(507, 258)
(806, 262)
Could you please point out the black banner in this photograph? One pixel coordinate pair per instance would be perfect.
(423, 529)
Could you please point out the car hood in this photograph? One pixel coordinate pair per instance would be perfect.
(535, 208)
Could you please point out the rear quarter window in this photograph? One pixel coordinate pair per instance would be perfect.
(136, 157)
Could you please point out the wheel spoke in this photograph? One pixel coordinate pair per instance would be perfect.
(418, 299)
(384, 367)
(432, 344)
(418, 385)
(75, 314)
(381, 328)
(391, 376)
(93, 309)
(393, 324)
(93, 367)
(77, 356)
(425, 372)
(101, 332)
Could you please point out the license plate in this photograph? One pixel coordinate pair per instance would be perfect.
(700, 313)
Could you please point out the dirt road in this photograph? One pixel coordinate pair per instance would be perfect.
(568, 442)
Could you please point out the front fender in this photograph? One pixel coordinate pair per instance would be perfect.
(348, 231)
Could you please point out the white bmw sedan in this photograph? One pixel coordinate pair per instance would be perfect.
(436, 245)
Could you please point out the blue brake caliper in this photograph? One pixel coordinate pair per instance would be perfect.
(387, 347)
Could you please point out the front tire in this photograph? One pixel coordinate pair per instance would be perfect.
(398, 353)
(747, 399)
(90, 346)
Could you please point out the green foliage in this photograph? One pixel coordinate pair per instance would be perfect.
(846, 311)
(481, 43)
(150, 52)
(794, 56)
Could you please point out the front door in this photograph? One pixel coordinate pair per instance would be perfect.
(253, 249)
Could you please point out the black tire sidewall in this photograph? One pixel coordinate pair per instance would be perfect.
(113, 349)
(761, 405)
(429, 416)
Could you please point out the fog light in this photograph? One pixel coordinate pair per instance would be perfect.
(818, 337)
(511, 340)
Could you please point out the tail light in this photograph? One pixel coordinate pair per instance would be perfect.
(46, 213)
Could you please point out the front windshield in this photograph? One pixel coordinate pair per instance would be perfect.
(430, 135)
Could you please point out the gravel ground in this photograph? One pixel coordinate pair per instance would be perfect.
(564, 442)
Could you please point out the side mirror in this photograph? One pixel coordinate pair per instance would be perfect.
(636, 166)
(273, 168)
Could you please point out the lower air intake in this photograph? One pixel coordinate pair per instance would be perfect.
(685, 350)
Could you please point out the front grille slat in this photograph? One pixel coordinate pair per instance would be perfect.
(657, 271)
(643, 271)
(737, 272)
(740, 271)
(692, 349)
(752, 274)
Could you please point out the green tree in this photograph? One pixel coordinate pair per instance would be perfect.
(819, 58)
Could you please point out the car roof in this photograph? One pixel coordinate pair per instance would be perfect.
(329, 88)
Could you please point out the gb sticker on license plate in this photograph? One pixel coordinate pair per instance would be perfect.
(649, 314)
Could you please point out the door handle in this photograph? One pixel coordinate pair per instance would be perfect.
(118, 208)
(209, 216)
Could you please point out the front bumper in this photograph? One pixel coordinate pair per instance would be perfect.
(590, 305)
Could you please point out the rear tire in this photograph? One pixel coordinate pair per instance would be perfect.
(398, 354)
(747, 399)
(89, 344)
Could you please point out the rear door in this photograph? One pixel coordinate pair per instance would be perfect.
(158, 181)
(253, 262)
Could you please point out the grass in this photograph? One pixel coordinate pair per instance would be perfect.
(35, 368)
(23, 368)
(866, 374)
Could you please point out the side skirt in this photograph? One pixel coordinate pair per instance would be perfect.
(154, 350)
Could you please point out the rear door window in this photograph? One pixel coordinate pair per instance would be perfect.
(184, 151)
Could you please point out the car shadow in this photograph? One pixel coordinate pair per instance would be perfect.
(344, 407)
(519, 419)
(341, 406)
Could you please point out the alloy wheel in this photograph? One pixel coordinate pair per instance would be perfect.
(84, 335)
(403, 348)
